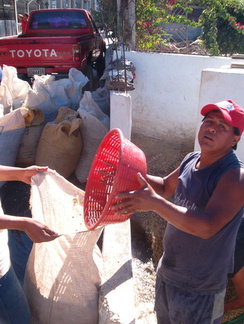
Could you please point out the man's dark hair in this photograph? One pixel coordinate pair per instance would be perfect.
(236, 132)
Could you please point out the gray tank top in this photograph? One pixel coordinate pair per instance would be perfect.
(190, 262)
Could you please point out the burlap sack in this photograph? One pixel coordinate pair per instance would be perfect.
(60, 146)
(28, 146)
(92, 131)
(66, 114)
(63, 276)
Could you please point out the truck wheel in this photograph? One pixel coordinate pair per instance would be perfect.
(100, 64)
(89, 74)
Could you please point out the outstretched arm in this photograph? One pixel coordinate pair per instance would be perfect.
(37, 231)
(8, 173)
(166, 186)
(226, 200)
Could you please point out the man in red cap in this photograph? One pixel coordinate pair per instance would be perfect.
(203, 220)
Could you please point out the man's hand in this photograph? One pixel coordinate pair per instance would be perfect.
(137, 200)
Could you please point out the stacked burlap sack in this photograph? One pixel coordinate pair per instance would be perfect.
(53, 124)
(65, 127)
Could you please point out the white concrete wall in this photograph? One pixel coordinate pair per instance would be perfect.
(217, 85)
(165, 101)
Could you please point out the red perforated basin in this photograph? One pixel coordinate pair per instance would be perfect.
(114, 169)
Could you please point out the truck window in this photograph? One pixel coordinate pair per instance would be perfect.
(58, 20)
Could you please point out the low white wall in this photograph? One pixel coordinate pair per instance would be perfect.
(220, 84)
(165, 102)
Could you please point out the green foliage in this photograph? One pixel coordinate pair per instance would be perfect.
(106, 17)
(149, 19)
(222, 22)
(150, 16)
(219, 35)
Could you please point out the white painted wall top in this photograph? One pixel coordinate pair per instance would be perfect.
(166, 97)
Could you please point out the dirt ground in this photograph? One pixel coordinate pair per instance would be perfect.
(162, 158)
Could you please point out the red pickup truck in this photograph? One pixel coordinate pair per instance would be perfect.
(55, 40)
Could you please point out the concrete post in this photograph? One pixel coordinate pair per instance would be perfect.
(121, 112)
(116, 298)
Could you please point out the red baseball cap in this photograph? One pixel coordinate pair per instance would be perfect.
(232, 113)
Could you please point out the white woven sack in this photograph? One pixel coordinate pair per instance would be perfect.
(101, 96)
(93, 131)
(1, 110)
(17, 88)
(39, 97)
(12, 127)
(48, 94)
(5, 99)
(95, 125)
(78, 81)
(63, 276)
(88, 104)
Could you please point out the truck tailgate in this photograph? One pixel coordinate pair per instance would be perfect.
(47, 54)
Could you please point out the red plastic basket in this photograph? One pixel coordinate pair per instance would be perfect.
(113, 170)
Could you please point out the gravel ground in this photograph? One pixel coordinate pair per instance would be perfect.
(144, 274)
(145, 277)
